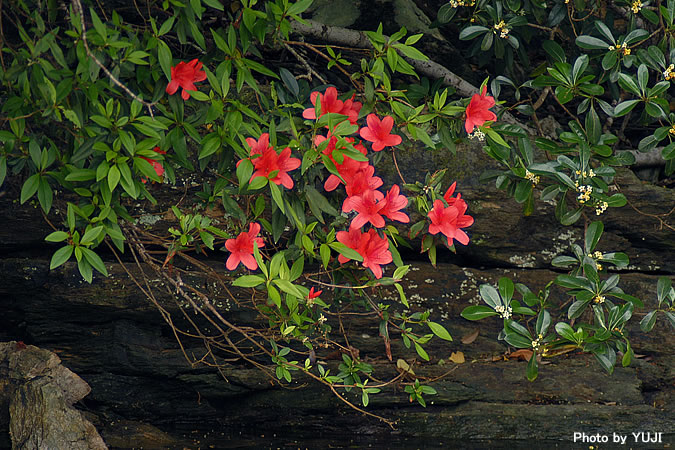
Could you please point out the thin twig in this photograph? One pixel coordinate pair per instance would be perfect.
(305, 63)
(80, 12)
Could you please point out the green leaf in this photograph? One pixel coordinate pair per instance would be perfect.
(532, 368)
(571, 217)
(592, 237)
(446, 13)
(81, 175)
(411, 52)
(648, 321)
(577, 308)
(564, 261)
(439, 330)
(299, 7)
(45, 195)
(593, 126)
(506, 289)
(490, 295)
(94, 260)
(472, 31)
(572, 282)
(289, 81)
(628, 83)
(288, 287)
(57, 236)
(164, 57)
(210, 144)
(617, 200)
(605, 359)
(345, 251)
(3, 169)
(318, 203)
(478, 312)
(276, 195)
(554, 50)
(591, 43)
(627, 356)
(113, 177)
(30, 187)
(566, 331)
(85, 269)
(663, 287)
(248, 281)
(98, 25)
(643, 77)
(402, 295)
(517, 340)
(625, 107)
(324, 251)
(420, 351)
(60, 256)
(604, 31)
(92, 235)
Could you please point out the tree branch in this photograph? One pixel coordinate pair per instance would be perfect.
(431, 69)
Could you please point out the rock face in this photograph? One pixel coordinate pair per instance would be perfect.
(145, 394)
(38, 393)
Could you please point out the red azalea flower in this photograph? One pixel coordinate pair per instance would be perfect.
(363, 181)
(378, 132)
(449, 221)
(376, 253)
(393, 203)
(281, 163)
(477, 113)
(329, 104)
(351, 239)
(257, 147)
(185, 75)
(241, 248)
(351, 109)
(368, 208)
(349, 169)
(373, 248)
(313, 294)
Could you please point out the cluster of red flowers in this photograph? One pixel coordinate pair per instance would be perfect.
(450, 219)
(370, 205)
(268, 162)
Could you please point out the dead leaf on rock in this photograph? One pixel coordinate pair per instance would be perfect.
(521, 355)
(457, 357)
(469, 338)
(404, 367)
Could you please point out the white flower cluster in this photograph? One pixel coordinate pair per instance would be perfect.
(623, 48)
(534, 179)
(584, 193)
(589, 174)
(456, 3)
(669, 73)
(503, 30)
(537, 342)
(504, 312)
(601, 208)
(477, 135)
